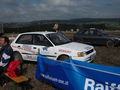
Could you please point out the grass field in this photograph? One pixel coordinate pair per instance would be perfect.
(105, 56)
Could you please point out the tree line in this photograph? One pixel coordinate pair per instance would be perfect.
(49, 26)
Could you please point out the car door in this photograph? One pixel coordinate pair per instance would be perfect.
(80, 37)
(102, 37)
(97, 37)
(24, 45)
(93, 38)
(43, 46)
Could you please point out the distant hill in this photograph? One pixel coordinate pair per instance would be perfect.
(75, 21)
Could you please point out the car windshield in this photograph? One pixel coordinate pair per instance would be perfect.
(58, 39)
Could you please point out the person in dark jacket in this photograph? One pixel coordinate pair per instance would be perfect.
(6, 54)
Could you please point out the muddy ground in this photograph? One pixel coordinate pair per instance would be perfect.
(105, 56)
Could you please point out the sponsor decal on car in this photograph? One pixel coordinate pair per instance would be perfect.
(25, 49)
(65, 51)
(45, 48)
(31, 57)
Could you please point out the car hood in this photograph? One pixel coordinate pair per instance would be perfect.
(77, 46)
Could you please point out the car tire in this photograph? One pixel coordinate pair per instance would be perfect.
(18, 56)
(110, 43)
(64, 57)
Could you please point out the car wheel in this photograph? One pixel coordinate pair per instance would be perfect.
(18, 56)
(110, 43)
(63, 57)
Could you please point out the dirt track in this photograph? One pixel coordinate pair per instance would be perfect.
(108, 56)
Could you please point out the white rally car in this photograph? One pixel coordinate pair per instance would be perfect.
(53, 45)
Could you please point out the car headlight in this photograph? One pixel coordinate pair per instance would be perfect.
(80, 54)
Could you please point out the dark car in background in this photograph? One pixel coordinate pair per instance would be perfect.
(97, 37)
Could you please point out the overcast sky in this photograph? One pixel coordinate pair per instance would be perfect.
(31, 10)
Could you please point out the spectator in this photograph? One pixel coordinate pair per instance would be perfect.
(56, 28)
(6, 54)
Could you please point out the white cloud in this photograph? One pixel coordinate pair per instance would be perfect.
(60, 2)
(41, 7)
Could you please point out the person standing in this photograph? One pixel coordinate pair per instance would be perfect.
(56, 28)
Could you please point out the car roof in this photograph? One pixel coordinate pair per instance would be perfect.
(41, 32)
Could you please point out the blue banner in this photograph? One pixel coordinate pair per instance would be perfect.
(77, 75)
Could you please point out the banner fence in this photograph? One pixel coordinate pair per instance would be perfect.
(76, 75)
